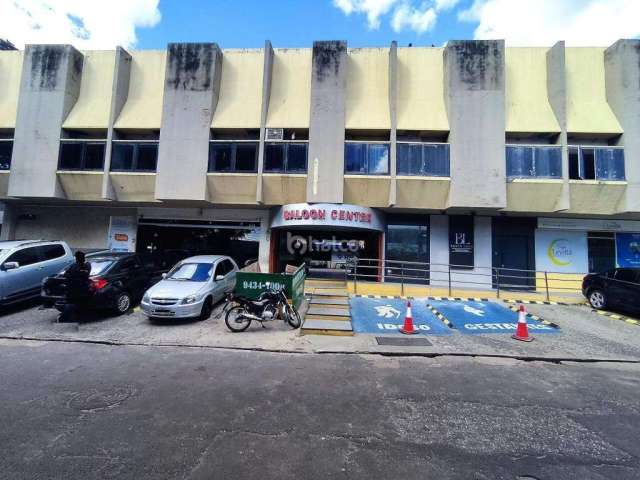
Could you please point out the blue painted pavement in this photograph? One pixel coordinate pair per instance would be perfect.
(386, 315)
(485, 317)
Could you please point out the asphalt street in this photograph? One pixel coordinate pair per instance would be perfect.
(87, 411)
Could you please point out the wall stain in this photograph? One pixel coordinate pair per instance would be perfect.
(327, 59)
(190, 66)
(480, 64)
(45, 64)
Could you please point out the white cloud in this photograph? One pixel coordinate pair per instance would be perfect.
(544, 22)
(405, 15)
(373, 9)
(418, 20)
(86, 24)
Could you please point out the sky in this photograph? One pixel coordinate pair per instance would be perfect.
(151, 24)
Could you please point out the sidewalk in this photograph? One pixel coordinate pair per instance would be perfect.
(585, 336)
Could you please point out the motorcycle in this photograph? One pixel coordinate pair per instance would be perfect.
(271, 304)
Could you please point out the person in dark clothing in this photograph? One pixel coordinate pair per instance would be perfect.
(77, 276)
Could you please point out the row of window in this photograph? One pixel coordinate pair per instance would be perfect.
(585, 163)
(423, 159)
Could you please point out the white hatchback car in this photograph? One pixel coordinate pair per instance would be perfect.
(191, 288)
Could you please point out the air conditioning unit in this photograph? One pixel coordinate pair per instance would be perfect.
(274, 134)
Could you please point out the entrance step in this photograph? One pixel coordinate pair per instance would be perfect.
(340, 292)
(326, 327)
(330, 301)
(328, 311)
(325, 283)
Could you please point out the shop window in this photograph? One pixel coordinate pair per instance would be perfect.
(425, 159)
(596, 163)
(233, 157)
(366, 158)
(407, 249)
(137, 156)
(524, 161)
(81, 155)
(6, 149)
(601, 248)
(285, 157)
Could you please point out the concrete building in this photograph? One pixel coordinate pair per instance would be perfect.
(475, 155)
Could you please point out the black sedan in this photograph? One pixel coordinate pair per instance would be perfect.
(117, 281)
(617, 289)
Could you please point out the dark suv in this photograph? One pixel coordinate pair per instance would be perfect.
(618, 288)
(117, 281)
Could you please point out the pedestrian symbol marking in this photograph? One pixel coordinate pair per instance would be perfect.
(387, 311)
(386, 315)
(471, 317)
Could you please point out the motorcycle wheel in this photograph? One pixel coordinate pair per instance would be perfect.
(235, 319)
(292, 316)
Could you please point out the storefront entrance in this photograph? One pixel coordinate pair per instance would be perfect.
(327, 238)
(185, 238)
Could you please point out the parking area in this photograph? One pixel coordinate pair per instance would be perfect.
(583, 334)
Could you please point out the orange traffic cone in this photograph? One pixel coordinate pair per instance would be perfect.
(522, 333)
(408, 328)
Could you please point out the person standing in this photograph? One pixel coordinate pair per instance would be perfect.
(77, 277)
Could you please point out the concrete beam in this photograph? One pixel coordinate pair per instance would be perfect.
(327, 122)
(393, 119)
(191, 89)
(50, 86)
(557, 92)
(622, 82)
(267, 73)
(120, 92)
(475, 102)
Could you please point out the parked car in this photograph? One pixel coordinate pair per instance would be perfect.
(191, 288)
(24, 263)
(117, 281)
(618, 288)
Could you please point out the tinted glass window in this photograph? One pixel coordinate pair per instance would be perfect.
(355, 157)
(122, 156)
(221, 268)
(94, 156)
(627, 275)
(147, 157)
(194, 272)
(99, 266)
(246, 156)
(26, 256)
(610, 164)
(574, 164)
(548, 162)
(378, 159)
(5, 155)
(220, 157)
(126, 264)
(588, 163)
(520, 162)
(70, 156)
(409, 159)
(49, 252)
(274, 157)
(229, 265)
(297, 157)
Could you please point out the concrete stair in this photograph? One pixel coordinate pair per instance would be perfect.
(328, 312)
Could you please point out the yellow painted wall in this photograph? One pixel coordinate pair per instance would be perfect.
(421, 90)
(587, 107)
(240, 98)
(10, 73)
(290, 101)
(526, 97)
(143, 108)
(92, 107)
(367, 94)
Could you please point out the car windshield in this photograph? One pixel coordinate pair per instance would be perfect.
(193, 272)
(99, 266)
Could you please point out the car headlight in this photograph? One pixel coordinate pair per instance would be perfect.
(146, 298)
(188, 300)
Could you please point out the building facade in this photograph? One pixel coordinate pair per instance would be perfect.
(473, 155)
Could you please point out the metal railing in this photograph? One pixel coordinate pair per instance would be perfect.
(462, 277)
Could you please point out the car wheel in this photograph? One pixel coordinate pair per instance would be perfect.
(597, 299)
(207, 308)
(123, 303)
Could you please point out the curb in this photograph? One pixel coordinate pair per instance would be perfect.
(460, 299)
(615, 316)
(539, 302)
(441, 317)
(537, 318)
(395, 297)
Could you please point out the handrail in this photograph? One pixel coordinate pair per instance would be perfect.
(452, 275)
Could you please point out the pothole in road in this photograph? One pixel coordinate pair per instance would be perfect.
(95, 400)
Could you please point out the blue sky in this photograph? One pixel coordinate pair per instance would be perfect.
(151, 24)
(286, 23)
